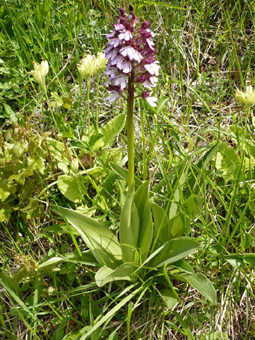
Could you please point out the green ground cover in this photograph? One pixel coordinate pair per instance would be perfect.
(91, 249)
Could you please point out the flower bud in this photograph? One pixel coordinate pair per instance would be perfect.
(100, 62)
(247, 98)
(40, 71)
(87, 66)
(75, 165)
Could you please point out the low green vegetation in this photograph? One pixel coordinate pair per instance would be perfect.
(129, 214)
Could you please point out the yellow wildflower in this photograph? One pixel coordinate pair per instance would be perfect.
(100, 62)
(247, 98)
(40, 71)
(87, 66)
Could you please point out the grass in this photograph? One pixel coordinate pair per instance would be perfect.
(198, 141)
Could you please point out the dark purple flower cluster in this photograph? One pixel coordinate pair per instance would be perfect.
(131, 57)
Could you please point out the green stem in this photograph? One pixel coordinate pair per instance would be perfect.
(130, 131)
(143, 141)
(48, 103)
(97, 103)
(35, 303)
(88, 112)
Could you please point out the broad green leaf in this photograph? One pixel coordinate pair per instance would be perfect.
(112, 129)
(141, 201)
(111, 155)
(122, 272)
(169, 298)
(201, 284)
(176, 226)
(193, 205)
(123, 173)
(6, 188)
(227, 162)
(235, 261)
(56, 149)
(161, 223)
(5, 212)
(50, 263)
(184, 266)
(19, 148)
(71, 187)
(100, 240)
(96, 141)
(53, 262)
(173, 250)
(94, 171)
(250, 259)
(129, 228)
(36, 163)
(191, 208)
(240, 260)
(28, 190)
(22, 175)
(136, 223)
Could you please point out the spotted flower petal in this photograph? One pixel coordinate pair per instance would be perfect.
(131, 57)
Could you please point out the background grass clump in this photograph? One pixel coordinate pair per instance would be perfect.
(196, 148)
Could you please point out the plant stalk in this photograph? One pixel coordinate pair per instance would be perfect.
(88, 111)
(97, 103)
(130, 130)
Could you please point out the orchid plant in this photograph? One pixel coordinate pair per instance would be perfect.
(131, 62)
(150, 249)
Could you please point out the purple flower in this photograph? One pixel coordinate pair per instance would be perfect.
(151, 100)
(131, 58)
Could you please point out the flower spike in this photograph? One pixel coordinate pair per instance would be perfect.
(131, 56)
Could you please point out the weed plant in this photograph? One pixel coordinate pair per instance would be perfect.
(89, 251)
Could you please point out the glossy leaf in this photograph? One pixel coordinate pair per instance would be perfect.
(100, 240)
(201, 284)
(53, 262)
(122, 272)
(141, 201)
(191, 208)
(71, 188)
(227, 162)
(112, 129)
(6, 188)
(161, 223)
(169, 298)
(136, 224)
(123, 173)
(172, 251)
(239, 260)
(129, 227)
